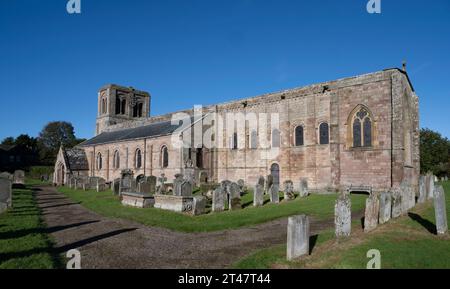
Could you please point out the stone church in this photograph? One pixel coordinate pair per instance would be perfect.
(356, 132)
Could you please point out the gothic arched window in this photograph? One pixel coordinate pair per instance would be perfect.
(164, 157)
(99, 161)
(299, 141)
(362, 128)
(116, 160)
(324, 137)
(138, 159)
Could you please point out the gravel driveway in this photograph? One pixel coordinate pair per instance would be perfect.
(117, 243)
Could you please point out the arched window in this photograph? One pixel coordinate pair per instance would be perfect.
(299, 136)
(103, 106)
(164, 157)
(140, 106)
(99, 161)
(116, 160)
(362, 128)
(275, 138)
(253, 139)
(138, 159)
(324, 137)
(123, 105)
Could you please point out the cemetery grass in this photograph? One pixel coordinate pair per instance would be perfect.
(407, 242)
(106, 204)
(24, 242)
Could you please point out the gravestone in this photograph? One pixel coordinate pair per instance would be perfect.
(269, 183)
(177, 182)
(440, 210)
(258, 195)
(241, 185)
(371, 213)
(189, 174)
(100, 185)
(274, 193)
(5, 194)
(116, 186)
(408, 197)
(186, 188)
(303, 188)
(385, 207)
(261, 181)
(203, 178)
(430, 185)
(126, 182)
(343, 216)
(297, 236)
(19, 177)
(422, 190)
(199, 205)
(288, 190)
(396, 204)
(7, 175)
(234, 198)
(218, 199)
(147, 185)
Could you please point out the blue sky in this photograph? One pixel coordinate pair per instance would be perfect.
(190, 52)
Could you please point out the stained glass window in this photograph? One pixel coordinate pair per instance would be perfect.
(357, 133)
(367, 132)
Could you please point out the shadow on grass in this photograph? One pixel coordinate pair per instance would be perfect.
(424, 222)
(61, 205)
(312, 242)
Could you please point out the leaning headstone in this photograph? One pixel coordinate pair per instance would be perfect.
(274, 193)
(422, 190)
(5, 194)
(269, 183)
(19, 177)
(116, 186)
(234, 197)
(430, 185)
(396, 204)
(303, 188)
(199, 205)
(288, 190)
(440, 210)
(218, 200)
(385, 207)
(186, 188)
(297, 236)
(371, 213)
(343, 216)
(258, 195)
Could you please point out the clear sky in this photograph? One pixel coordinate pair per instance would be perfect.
(188, 52)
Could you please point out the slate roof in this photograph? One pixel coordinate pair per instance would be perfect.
(76, 159)
(146, 131)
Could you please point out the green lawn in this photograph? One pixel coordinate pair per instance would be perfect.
(104, 203)
(407, 242)
(24, 242)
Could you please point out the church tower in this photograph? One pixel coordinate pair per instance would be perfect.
(118, 104)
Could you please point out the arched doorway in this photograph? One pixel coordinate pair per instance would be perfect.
(275, 172)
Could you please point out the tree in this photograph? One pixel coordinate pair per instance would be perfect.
(54, 135)
(434, 153)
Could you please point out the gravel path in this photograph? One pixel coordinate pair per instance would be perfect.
(118, 243)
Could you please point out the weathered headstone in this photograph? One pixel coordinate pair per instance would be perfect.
(422, 190)
(5, 194)
(19, 177)
(218, 199)
(258, 195)
(177, 184)
(161, 187)
(371, 213)
(343, 216)
(186, 188)
(440, 210)
(147, 185)
(288, 190)
(269, 183)
(408, 197)
(7, 175)
(274, 193)
(303, 188)
(396, 204)
(199, 205)
(241, 185)
(430, 185)
(385, 207)
(234, 197)
(203, 177)
(261, 181)
(297, 236)
(189, 174)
